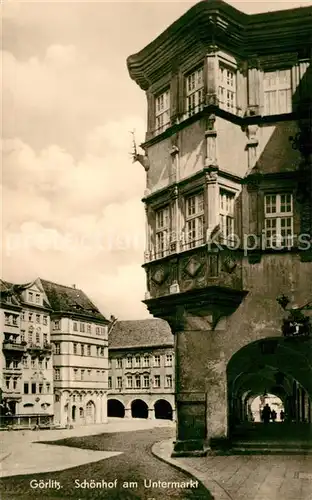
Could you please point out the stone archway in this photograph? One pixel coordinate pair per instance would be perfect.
(278, 366)
(139, 409)
(90, 412)
(163, 409)
(115, 408)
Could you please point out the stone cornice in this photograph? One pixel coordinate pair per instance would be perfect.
(216, 22)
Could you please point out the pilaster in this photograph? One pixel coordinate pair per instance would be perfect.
(212, 68)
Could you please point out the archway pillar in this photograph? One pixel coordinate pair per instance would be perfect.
(151, 414)
(198, 321)
(128, 413)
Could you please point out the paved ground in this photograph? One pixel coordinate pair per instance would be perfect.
(132, 462)
(251, 477)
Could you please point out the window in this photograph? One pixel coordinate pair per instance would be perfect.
(75, 326)
(57, 348)
(75, 374)
(168, 381)
(278, 220)
(37, 298)
(46, 364)
(194, 220)
(75, 348)
(157, 381)
(88, 350)
(14, 320)
(129, 362)
(119, 363)
(88, 328)
(15, 364)
(45, 338)
(30, 316)
(137, 382)
(33, 388)
(56, 325)
(22, 335)
(194, 92)
(102, 351)
(47, 388)
(98, 373)
(40, 388)
(45, 320)
(227, 216)
(227, 89)
(40, 364)
(37, 337)
(30, 296)
(57, 374)
(25, 362)
(14, 383)
(146, 361)
(137, 361)
(82, 374)
(162, 112)
(277, 92)
(146, 381)
(162, 231)
(110, 383)
(7, 383)
(82, 350)
(157, 360)
(82, 327)
(89, 373)
(33, 364)
(119, 382)
(23, 315)
(97, 330)
(26, 388)
(168, 359)
(129, 381)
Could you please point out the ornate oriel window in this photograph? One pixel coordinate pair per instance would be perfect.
(227, 89)
(162, 112)
(227, 216)
(277, 92)
(278, 212)
(194, 220)
(162, 232)
(194, 92)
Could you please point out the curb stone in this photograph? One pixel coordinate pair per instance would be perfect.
(216, 491)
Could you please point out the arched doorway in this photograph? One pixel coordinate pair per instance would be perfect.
(74, 413)
(81, 414)
(163, 409)
(90, 412)
(139, 409)
(277, 368)
(115, 408)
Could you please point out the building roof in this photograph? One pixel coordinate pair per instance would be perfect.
(214, 22)
(8, 295)
(71, 300)
(140, 333)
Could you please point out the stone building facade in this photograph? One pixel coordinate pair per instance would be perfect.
(141, 373)
(79, 333)
(54, 356)
(26, 354)
(228, 208)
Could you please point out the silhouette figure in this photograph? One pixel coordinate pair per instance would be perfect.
(266, 413)
(273, 415)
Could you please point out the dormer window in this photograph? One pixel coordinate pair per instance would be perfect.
(162, 112)
(38, 298)
(30, 296)
(194, 92)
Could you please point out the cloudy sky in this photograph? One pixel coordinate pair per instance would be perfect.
(71, 195)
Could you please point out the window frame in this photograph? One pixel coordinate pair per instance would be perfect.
(163, 112)
(197, 92)
(193, 219)
(278, 215)
(277, 89)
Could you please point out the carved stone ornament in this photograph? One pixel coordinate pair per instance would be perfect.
(211, 175)
(229, 263)
(210, 122)
(193, 266)
(251, 131)
(160, 275)
(143, 159)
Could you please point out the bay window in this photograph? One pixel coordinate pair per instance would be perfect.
(227, 89)
(194, 220)
(227, 216)
(162, 112)
(162, 231)
(194, 92)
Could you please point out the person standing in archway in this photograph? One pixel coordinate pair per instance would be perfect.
(266, 414)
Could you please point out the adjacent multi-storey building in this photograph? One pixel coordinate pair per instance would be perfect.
(54, 356)
(26, 354)
(229, 211)
(141, 370)
(79, 333)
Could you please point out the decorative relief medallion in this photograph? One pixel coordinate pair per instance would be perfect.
(229, 263)
(160, 275)
(193, 266)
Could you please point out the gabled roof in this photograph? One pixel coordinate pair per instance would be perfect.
(8, 295)
(71, 300)
(140, 333)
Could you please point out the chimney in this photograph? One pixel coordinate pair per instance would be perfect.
(73, 286)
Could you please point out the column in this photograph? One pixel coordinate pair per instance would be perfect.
(128, 413)
(151, 414)
(211, 76)
(253, 87)
(211, 205)
(252, 144)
